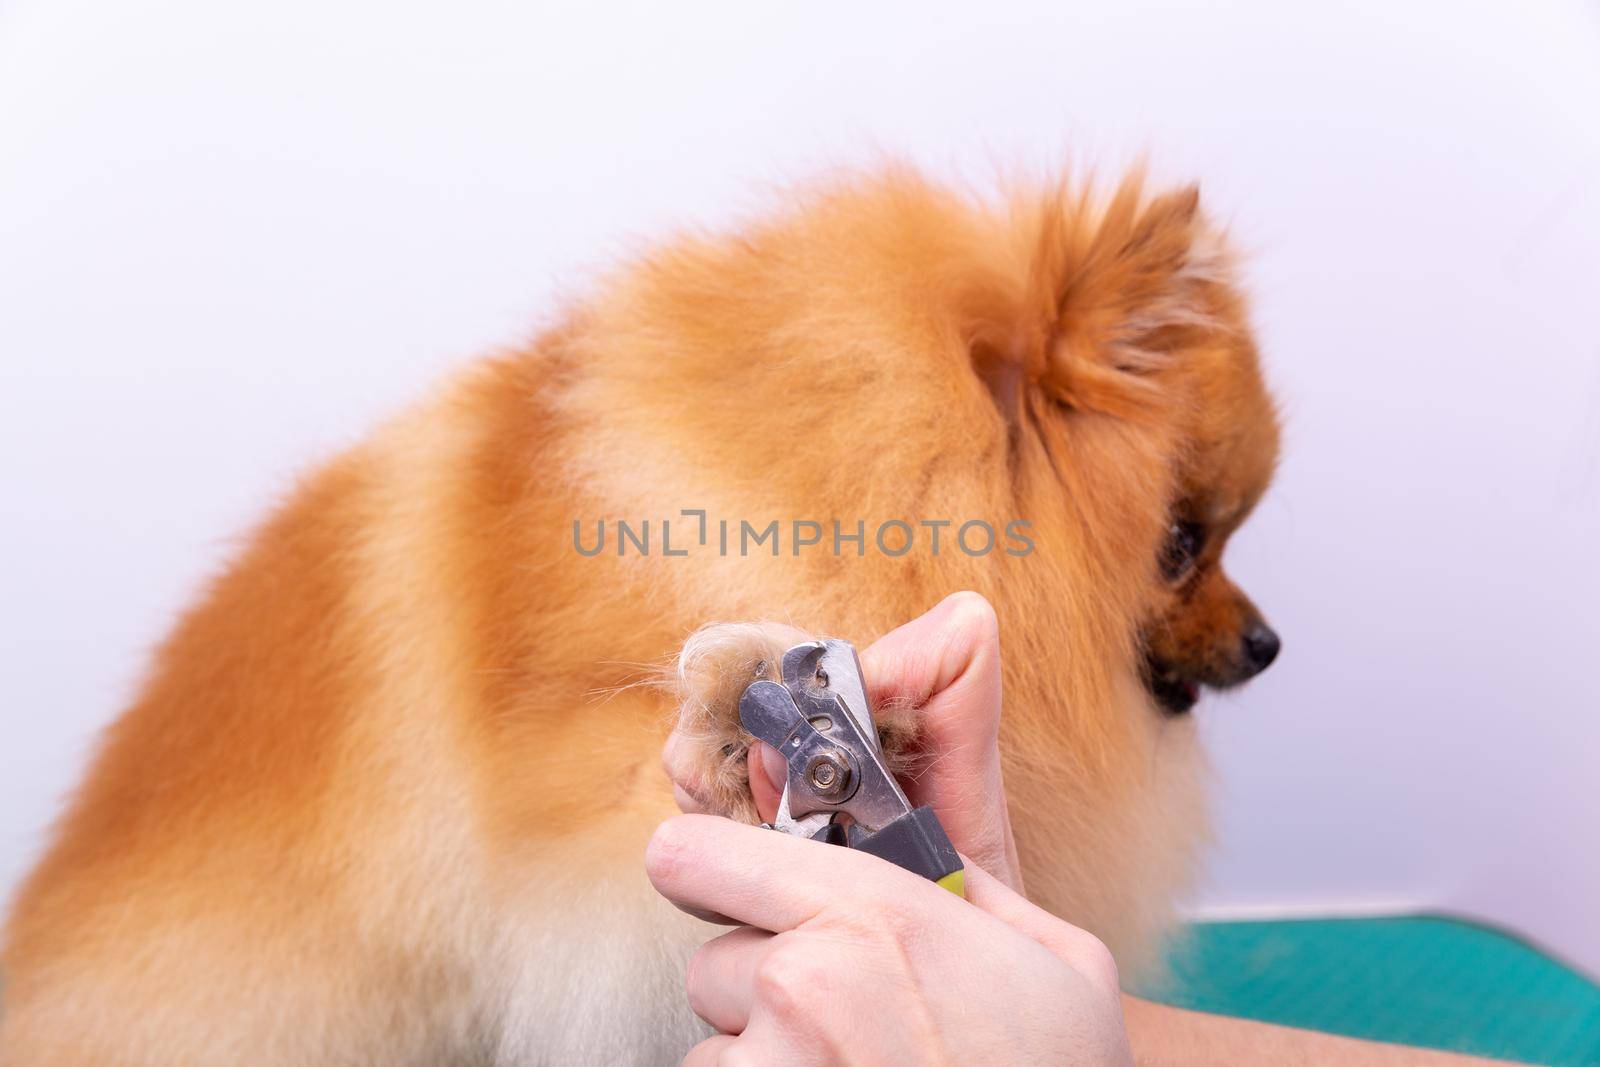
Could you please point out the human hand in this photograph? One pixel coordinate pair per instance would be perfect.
(943, 668)
(847, 958)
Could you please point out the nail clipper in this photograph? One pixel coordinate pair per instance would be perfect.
(838, 789)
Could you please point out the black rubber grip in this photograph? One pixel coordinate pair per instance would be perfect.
(914, 841)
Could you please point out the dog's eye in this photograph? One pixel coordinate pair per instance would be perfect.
(1184, 540)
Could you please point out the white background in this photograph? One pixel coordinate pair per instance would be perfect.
(231, 236)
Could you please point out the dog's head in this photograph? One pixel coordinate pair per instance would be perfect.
(1148, 405)
(1203, 629)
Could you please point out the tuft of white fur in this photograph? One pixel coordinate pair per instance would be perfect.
(602, 985)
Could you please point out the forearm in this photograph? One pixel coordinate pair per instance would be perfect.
(1163, 1036)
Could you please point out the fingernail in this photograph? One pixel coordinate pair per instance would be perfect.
(772, 765)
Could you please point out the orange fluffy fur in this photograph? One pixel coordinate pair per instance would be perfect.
(384, 795)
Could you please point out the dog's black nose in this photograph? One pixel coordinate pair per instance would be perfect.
(1261, 647)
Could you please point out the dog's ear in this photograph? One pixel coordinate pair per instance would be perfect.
(1129, 290)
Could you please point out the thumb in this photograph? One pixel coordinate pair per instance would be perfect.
(769, 773)
(945, 665)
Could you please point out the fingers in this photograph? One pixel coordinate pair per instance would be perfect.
(1076, 947)
(712, 1052)
(765, 879)
(946, 664)
(953, 647)
(722, 977)
(703, 863)
(768, 773)
(749, 1050)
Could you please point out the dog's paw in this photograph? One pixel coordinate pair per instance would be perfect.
(709, 751)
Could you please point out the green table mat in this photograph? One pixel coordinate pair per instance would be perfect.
(1415, 980)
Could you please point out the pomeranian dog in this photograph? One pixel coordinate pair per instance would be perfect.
(383, 796)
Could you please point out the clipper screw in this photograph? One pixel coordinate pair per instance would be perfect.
(828, 774)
